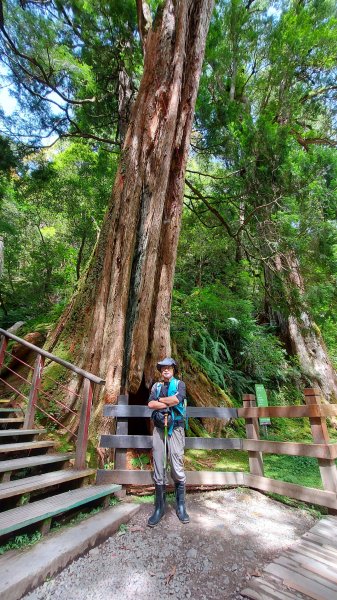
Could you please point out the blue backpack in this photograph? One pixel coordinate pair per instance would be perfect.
(177, 412)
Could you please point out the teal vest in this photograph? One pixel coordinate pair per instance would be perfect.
(178, 412)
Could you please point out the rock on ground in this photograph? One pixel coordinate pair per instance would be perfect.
(232, 535)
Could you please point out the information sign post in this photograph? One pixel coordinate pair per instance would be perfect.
(262, 400)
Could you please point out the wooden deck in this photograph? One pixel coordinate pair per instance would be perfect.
(307, 571)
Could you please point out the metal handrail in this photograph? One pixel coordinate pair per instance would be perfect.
(50, 356)
(86, 395)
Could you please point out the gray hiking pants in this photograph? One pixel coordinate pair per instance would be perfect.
(175, 448)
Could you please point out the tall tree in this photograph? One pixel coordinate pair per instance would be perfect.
(121, 314)
(266, 102)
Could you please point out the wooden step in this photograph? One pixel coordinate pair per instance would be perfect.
(28, 462)
(38, 482)
(9, 432)
(3, 402)
(16, 420)
(4, 448)
(11, 410)
(23, 516)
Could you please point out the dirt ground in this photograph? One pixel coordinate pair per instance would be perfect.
(233, 533)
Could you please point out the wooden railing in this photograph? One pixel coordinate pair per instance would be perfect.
(321, 448)
(31, 399)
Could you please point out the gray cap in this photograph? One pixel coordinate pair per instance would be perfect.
(166, 362)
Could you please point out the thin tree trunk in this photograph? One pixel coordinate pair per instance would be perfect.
(121, 314)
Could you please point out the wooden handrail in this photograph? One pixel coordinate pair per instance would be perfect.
(50, 356)
(292, 411)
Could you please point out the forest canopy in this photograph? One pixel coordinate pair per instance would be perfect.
(254, 298)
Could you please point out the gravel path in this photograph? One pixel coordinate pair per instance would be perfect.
(232, 535)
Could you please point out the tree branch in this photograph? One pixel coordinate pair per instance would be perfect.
(214, 176)
(251, 214)
(44, 78)
(318, 92)
(211, 208)
(144, 21)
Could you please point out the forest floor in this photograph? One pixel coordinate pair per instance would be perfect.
(232, 535)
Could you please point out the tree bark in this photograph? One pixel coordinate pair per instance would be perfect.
(304, 335)
(121, 314)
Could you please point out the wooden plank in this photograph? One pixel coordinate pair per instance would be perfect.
(121, 429)
(291, 448)
(4, 401)
(293, 411)
(318, 550)
(136, 411)
(145, 441)
(34, 392)
(305, 554)
(4, 448)
(10, 410)
(316, 588)
(329, 535)
(213, 443)
(38, 482)
(126, 477)
(8, 420)
(325, 529)
(321, 539)
(312, 392)
(252, 432)
(331, 519)
(308, 567)
(302, 554)
(311, 495)
(15, 432)
(261, 589)
(23, 516)
(320, 435)
(83, 429)
(28, 462)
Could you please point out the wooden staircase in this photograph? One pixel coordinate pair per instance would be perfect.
(37, 483)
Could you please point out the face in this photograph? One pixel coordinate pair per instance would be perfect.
(167, 373)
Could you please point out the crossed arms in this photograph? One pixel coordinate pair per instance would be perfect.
(163, 403)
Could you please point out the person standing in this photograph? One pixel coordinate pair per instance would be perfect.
(168, 397)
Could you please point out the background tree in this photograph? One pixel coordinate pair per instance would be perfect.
(262, 105)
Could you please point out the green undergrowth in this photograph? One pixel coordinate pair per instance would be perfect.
(19, 542)
(149, 498)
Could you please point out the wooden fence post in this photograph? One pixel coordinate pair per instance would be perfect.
(83, 429)
(34, 392)
(3, 347)
(121, 429)
(252, 433)
(320, 435)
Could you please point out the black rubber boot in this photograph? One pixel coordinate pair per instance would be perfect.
(180, 503)
(159, 506)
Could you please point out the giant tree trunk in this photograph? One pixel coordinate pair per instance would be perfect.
(304, 335)
(120, 317)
